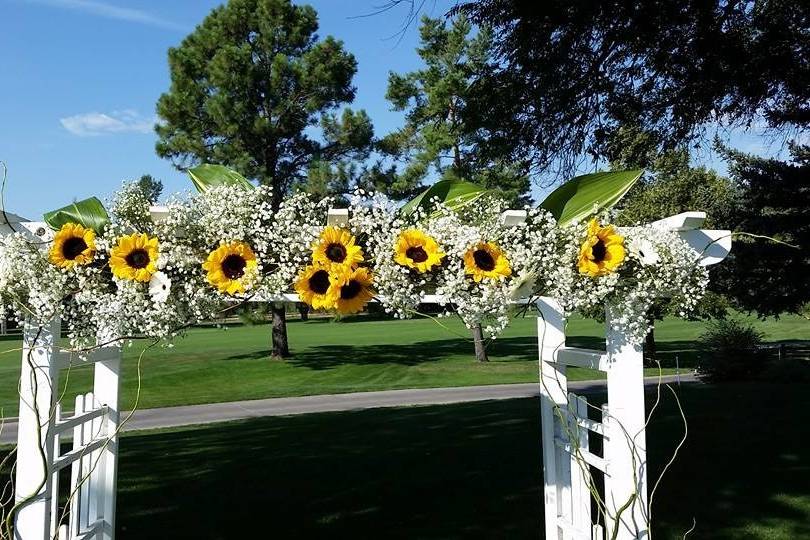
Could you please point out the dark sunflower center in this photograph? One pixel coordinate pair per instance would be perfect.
(484, 260)
(416, 254)
(73, 247)
(350, 290)
(137, 258)
(599, 251)
(336, 252)
(319, 282)
(233, 266)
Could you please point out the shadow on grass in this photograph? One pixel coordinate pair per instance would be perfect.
(466, 471)
(509, 349)
(322, 357)
(460, 471)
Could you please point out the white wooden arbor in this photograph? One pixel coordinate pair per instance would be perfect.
(574, 508)
(95, 423)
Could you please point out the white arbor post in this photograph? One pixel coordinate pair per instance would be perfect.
(41, 426)
(36, 445)
(625, 446)
(569, 465)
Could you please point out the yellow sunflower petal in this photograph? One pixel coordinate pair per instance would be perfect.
(231, 267)
(130, 260)
(354, 290)
(486, 260)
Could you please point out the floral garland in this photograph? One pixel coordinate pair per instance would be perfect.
(145, 277)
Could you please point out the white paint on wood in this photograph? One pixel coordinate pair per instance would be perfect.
(159, 214)
(710, 246)
(39, 379)
(106, 388)
(93, 457)
(514, 217)
(338, 217)
(584, 358)
(684, 221)
(553, 390)
(626, 443)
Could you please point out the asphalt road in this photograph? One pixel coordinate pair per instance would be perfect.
(238, 410)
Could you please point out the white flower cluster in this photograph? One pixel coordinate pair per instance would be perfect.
(476, 260)
(529, 246)
(29, 285)
(658, 264)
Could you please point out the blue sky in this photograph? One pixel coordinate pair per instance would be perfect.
(79, 80)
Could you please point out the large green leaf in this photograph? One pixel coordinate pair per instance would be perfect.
(207, 176)
(453, 193)
(577, 198)
(89, 213)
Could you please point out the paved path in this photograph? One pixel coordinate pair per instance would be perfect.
(237, 410)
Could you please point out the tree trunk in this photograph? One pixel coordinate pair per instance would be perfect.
(478, 341)
(649, 343)
(281, 348)
(303, 309)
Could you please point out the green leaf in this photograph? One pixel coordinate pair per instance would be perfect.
(89, 213)
(207, 176)
(454, 193)
(577, 198)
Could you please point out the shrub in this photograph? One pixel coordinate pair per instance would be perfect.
(729, 349)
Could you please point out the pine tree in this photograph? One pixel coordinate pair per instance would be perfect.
(443, 137)
(247, 86)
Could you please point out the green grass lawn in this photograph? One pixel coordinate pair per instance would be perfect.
(360, 354)
(460, 471)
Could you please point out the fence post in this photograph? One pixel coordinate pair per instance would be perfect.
(106, 386)
(553, 401)
(625, 444)
(39, 381)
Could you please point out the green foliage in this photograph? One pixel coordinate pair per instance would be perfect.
(670, 187)
(454, 193)
(443, 137)
(89, 213)
(765, 276)
(585, 195)
(730, 350)
(206, 176)
(248, 84)
(151, 187)
(571, 72)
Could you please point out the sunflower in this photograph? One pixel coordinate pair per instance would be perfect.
(336, 246)
(316, 287)
(230, 267)
(73, 245)
(417, 250)
(486, 260)
(134, 257)
(602, 252)
(354, 290)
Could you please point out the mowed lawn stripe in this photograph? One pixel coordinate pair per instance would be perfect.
(360, 354)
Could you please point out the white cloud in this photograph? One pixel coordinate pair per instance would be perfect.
(95, 123)
(109, 11)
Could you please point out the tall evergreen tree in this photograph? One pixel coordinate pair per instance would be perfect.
(442, 137)
(247, 87)
(770, 277)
